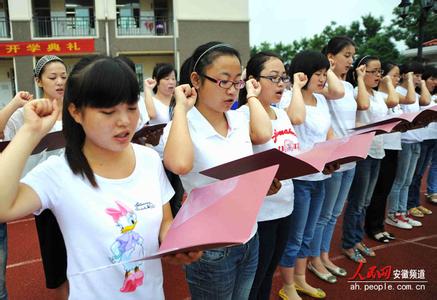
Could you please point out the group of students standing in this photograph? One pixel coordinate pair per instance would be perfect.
(111, 201)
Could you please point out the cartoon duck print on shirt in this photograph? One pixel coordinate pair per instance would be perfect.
(128, 246)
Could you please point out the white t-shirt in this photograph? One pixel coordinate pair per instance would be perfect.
(11, 129)
(285, 99)
(144, 116)
(162, 113)
(392, 141)
(284, 139)
(96, 224)
(415, 135)
(376, 111)
(314, 130)
(429, 132)
(343, 116)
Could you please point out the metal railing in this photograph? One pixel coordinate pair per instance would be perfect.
(64, 26)
(5, 28)
(140, 26)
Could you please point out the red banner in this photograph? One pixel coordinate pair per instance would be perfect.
(40, 48)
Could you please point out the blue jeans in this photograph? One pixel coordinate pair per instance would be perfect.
(336, 190)
(360, 194)
(407, 160)
(308, 201)
(432, 175)
(426, 150)
(224, 273)
(3, 259)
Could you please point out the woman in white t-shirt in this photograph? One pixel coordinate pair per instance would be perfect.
(275, 214)
(108, 195)
(427, 148)
(158, 92)
(372, 106)
(50, 74)
(204, 133)
(340, 51)
(397, 214)
(309, 191)
(375, 213)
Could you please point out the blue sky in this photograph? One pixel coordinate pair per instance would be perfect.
(288, 20)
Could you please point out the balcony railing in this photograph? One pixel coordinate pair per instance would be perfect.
(64, 26)
(5, 29)
(134, 26)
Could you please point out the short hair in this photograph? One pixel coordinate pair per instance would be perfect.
(308, 62)
(351, 75)
(412, 66)
(161, 71)
(337, 44)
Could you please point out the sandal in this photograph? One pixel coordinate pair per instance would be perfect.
(365, 250)
(389, 235)
(381, 237)
(356, 257)
(424, 210)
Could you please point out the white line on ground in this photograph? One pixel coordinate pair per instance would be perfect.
(23, 263)
(21, 221)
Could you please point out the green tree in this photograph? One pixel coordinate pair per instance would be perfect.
(407, 28)
(369, 35)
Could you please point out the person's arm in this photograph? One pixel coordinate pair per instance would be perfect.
(260, 124)
(20, 99)
(149, 84)
(362, 98)
(410, 98)
(425, 96)
(296, 111)
(18, 200)
(392, 96)
(335, 88)
(179, 150)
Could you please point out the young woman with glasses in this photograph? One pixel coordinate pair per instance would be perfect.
(275, 214)
(372, 106)
(204, 133)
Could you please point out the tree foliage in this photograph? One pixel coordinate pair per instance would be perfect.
(368, 33)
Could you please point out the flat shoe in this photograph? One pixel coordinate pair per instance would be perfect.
(415, 212)
(282, 294)
(319, 294)
(424, 210)
(326, 277)
(356, 257)
(337, 271)
(381, 237)
(389, 235)
(366, 250)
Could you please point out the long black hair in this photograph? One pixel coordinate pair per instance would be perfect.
(254, 67)
(102, 83)
(337, 44)
(308, 62)
(161, 71)
(351, 75)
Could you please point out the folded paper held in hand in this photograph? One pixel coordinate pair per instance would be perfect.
(344, 150)
(219, 214)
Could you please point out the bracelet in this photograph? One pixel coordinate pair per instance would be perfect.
(251, 96)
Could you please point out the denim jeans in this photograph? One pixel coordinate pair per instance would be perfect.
(336, 190)
(432, 175)
(366, 174)
(308, 201)
(272, 240)
(407, 160)
(224, 273)
(3, 259)
(426, 150)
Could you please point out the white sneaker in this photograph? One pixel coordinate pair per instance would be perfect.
(411, 221)
(398, 221)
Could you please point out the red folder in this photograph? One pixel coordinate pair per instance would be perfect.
(407, 120)
(382, 128)
(343, 150)
(52, 141)
(149, 134)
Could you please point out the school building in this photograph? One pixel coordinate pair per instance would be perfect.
(147, 31)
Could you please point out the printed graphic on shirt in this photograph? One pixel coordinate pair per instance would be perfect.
(128, 246)
(286, 140)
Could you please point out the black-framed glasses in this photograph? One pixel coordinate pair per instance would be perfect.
(277, 79)
(226, 84)
(374, 72)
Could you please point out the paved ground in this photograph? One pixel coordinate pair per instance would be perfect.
(414, 251)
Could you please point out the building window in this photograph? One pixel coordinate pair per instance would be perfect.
(5, 28)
